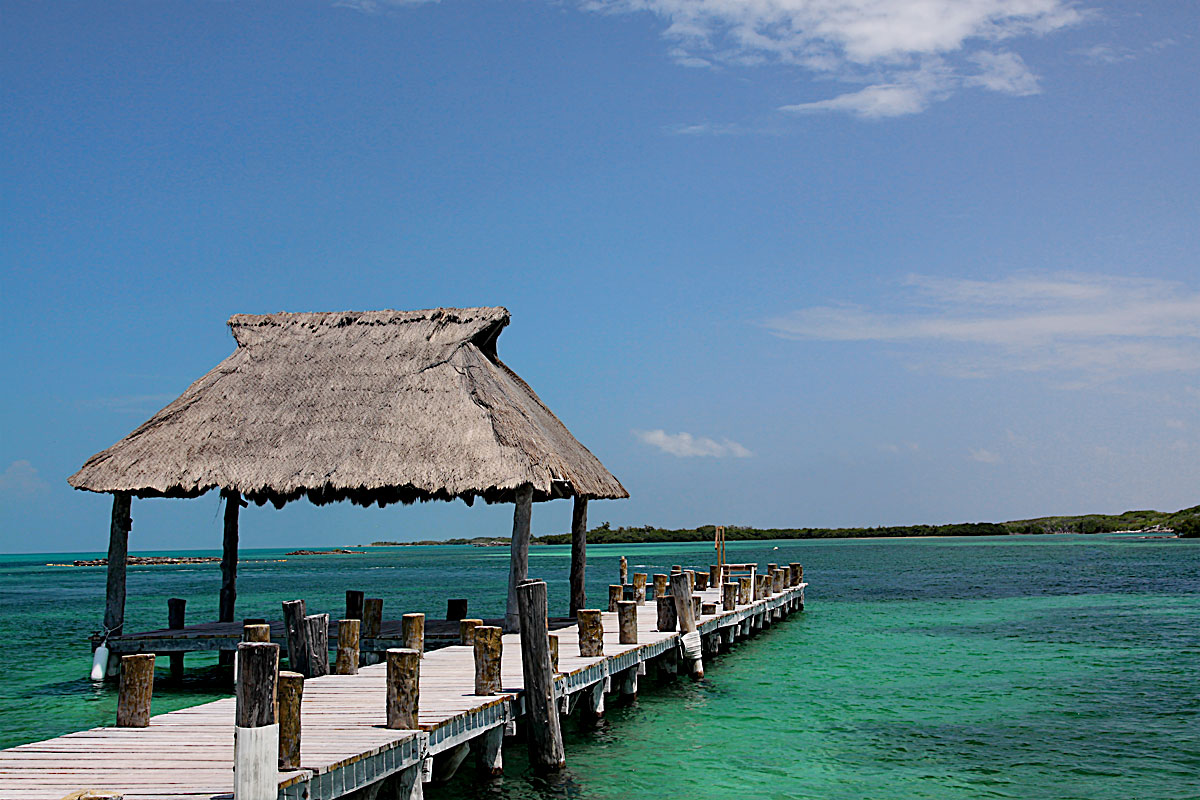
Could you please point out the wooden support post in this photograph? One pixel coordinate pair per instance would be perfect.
(729, 594)
(691, 581)
(447, 762)
(466, 631)
(591, 633)
(628, 683)
(627, 621)
(578, 555)
(296, 631)
(318, 645)
(403, 687)
(488, 652)
(639, 588)
(176, 607)
(291, 695)
(229, 555)
(701, 581)
(347, 647)
(760, 586)
(518, 568)
(456, 609)
(256, 738)
(708, 609)
(372, 617)
(354, 604)
(668, 663)
(676, 568)
(797, 574)
(681, 593)
(412, 632)
(668, 620)
(776, 580)
(714, 575)
(745, 590)
(661, 584)
(554, 651)
(624, 570)
(136, 689)
(256, 632)
(593, 702)
(488, 749)
(118, 554)
(615, 595)
(696, 607)
(546, 751)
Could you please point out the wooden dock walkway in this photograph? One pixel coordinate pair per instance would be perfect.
(345, 746)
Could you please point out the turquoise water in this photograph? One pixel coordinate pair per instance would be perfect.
(1017, 667)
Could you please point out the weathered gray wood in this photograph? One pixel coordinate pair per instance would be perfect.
(489, 649)
(257, 684)
(291, 696)
(729, 594)
(624, 570)
(354, 604)
(554, 651)
(318, 645)
(745, 590)
(691, 580)
(578, 555)
(118, 554)
(518, 567)
(714, 575)
(591, 632)
(776, 580)
(797, 574)
(662, 585)
(176, 614)
(372, 617)
(696, 606)
(639, 588)
(466, 631)
(456, 609)
(412, 632)
(685, 611)
(615, 595)
(676, 568)
(229, 555)
(346, 662)
(701, 581)
(296, 631)
(403, 687)
(668, 620)
(545, 733)
(136, 689)
(708, 609)
(627, 622)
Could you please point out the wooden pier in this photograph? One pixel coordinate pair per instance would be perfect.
(345, 745)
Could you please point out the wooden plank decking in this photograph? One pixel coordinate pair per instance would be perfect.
(345, 746)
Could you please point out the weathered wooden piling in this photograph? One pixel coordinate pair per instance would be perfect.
(489, 648)
(797, 574)
(777, 580)
(318, 645)
(176, 607)
(553, 651)
(745, 590)
(545, 733)
(701, 581)
(346, 662)
(624, 571)
(627, 621)
(135, 690)
(372, 617)
(291, 696)
(615, 595)
(639, 588)
(256, 632)
(708, 609)
(412, 632)
(403, 687)
(662, 585)
(714, 575)
(296, 631)
(729, 595)
(354, 604)
(466, 631)
(682, 594)
(256, 740)
(591, 633)
(696, 601)
(456, 609)
(667, 619)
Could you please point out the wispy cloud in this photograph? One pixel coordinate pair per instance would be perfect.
(686, 445)
(984, 456)
(1107, 53)
(22, 479)
(908, 53)
(1082, 328)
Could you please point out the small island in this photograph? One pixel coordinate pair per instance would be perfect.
(337, 551)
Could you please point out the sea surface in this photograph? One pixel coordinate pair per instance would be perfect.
(1031, 667)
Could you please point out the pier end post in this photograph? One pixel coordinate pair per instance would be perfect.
(135, 691)
(488, 651)
(256, 738)
(403, 687)
(684, 610)
(546, 751)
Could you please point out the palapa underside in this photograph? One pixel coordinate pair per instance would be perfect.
(372, 407)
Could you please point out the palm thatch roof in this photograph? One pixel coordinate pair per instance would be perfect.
(373, 407)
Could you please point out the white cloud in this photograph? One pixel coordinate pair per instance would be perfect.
(685, 445)
(909, 52)
(21, 478)
(985, 456)
(1086, 326)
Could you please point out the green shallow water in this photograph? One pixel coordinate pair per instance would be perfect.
(1018, 667)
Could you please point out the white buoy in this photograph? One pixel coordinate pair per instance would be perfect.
(100, 662)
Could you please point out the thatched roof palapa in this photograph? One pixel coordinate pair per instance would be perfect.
(372, 407)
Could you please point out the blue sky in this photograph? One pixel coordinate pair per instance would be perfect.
(800, 262)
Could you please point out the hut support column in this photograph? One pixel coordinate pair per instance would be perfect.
(519, 563)
(578, 554)
(229, 555)
(118, 552)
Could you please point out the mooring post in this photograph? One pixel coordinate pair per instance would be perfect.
(256, 632)
(346, 662)
(176, 607)
(412, 632)
(403, 687)
(466, 631)
(578, 554)
(456, 609)
(701, 581)
(546, 751)
(639, 588)
(291, 695)
(372, 617)
(667, 619)
(797, 574)
(488, 651)
(696, 607)
(624, 570)
(729, 593)
(714, 575)
(256, 738)
(591, 633)
(661, 582)
(777, 580)
(135, 690)
(681, 592)
(615, 595)
(745, 590)
(296, 632)
(627, 621)
(318, 645)
(354, 604)
(708, 609)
